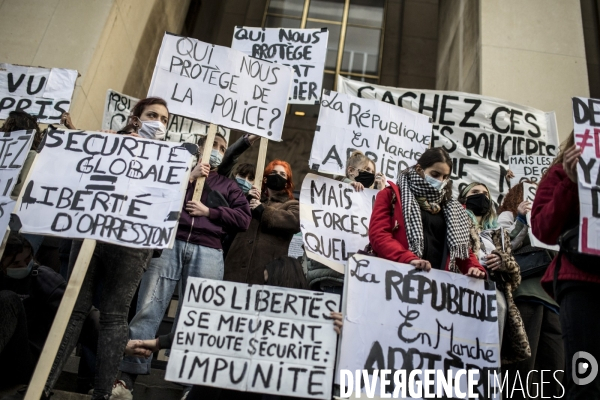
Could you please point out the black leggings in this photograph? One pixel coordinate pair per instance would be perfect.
(16, 360)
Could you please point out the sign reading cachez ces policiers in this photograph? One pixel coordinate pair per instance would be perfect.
(586, 118)
(334, 219)
(393, 137)
(480, 133)
(43, 93)
(14, 147)
(304, 50)
(399, 319)
(118, 106)
(255, 338)
(222, 86)
(113, 188)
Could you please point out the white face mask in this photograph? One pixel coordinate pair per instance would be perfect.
(215, 158)
(19, 273)
(437, 185)
(152, 130)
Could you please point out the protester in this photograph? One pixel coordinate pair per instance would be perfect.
(119, 269)
(361, 173)
(233, 153)
(495, 253)
(572, 278)
(197, 252)
(244, 176)
(275, 220)
(30, 295)
(540, 313)
(417, 222)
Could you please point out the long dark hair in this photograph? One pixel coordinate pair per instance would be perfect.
(20, 120)
(286, 272)
(138, 110)
(436, 155)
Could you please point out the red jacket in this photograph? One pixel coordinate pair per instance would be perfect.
(554, 210)
(393, 245)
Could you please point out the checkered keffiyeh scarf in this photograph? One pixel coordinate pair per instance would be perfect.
(414, 190)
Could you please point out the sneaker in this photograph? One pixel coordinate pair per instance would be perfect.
(120, 391)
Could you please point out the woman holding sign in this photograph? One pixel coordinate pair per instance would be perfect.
(115, 271)
(572, 277)
(417, 222)
(275, 220)
(495, 253)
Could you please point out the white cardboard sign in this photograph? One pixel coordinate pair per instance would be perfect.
(586, 118)
(479, 132)
(393, 137)
(529, 167)
(529, 192)
(14, 147)
(118, 106)
(43, 93)
(396, 318)
(112, 188)
(222, 86)
(304, 50)
(255, 338)
(334, 220)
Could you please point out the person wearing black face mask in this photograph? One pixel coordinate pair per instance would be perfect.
(275, 220)
(495, 253)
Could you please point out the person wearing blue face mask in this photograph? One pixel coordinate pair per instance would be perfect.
(417, 222)
(244, 176)
(197, 252)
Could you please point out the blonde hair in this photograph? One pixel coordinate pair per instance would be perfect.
(356, 160)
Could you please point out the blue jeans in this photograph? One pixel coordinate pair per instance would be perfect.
(158, 284)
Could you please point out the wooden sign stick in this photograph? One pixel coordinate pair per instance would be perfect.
(44, 365)
(260, 164)
(208, 145)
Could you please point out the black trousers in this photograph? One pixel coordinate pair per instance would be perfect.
(16, 361)
(580, 323)
(542, 326)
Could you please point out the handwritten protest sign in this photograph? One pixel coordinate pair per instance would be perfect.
(529, 192)
(113, 188)
(255, 338)
(14, 147)
(304, 50)
(118, 106)
(529, 167)
(221, 86)
(398, 319)
(586, 118)
(334, 219)
(43, 93)
(479, 132)
(393, 137)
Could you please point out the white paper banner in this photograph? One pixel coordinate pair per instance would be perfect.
(393, 137)
(113, 188)
(43, 93)
(479, 132)
(398, 319)
(118, 106)
(222, 86)
(14, 147)
(586, 118)
(529, 192)
(255, 338)
(529, 167)
(334, 219)
(304, 50)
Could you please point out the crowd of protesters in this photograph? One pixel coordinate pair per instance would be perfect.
(546, 302)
